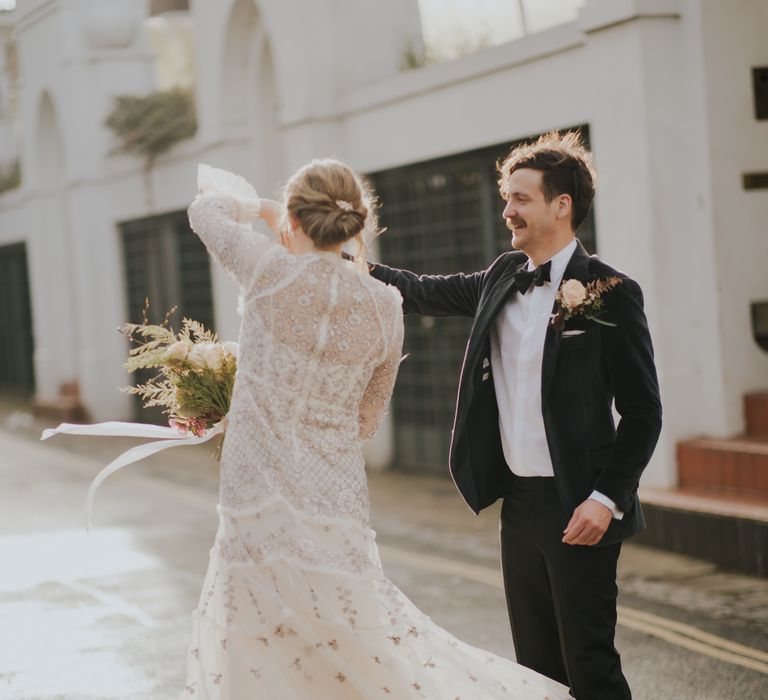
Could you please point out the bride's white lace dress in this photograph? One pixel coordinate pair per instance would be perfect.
(295, 604)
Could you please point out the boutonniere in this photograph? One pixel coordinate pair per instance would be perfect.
(576, 299)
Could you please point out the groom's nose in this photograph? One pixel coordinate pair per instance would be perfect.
(509, 211)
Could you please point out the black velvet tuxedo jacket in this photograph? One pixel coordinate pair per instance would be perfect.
(582, 375)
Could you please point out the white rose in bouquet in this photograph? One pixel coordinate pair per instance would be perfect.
(231, 348)
(177, 352)
(214, 354)
(196, 355)
(207, 355)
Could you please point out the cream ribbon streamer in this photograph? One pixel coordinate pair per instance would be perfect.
(169, 437)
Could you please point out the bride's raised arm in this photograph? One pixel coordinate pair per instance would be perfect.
(379, 390)
(221, 223)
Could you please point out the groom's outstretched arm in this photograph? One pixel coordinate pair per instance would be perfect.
(433, 295)
(632, 372)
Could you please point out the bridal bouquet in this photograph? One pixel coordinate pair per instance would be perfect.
(196, 372)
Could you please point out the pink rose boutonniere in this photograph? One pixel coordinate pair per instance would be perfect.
(577, 299)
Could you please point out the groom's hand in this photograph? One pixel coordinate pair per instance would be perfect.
(588, 523)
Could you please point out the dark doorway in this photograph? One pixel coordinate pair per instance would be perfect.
(168, 264)
(17, 346)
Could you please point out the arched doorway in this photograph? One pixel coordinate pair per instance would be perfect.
(17, 374)
(248, 93)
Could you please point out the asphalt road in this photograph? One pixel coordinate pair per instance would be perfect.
(107, 615)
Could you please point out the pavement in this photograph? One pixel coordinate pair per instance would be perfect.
(107, 614)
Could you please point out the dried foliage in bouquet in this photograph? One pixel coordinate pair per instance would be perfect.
(196, 372)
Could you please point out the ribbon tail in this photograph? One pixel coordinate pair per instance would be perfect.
(113, 428)
(134, 455)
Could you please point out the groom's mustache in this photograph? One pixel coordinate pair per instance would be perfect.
(515, 223)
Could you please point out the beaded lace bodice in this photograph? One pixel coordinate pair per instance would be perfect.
(320, 344)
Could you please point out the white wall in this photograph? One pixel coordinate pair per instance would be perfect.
(735, 39)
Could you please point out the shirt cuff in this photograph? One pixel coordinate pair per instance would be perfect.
(608, 503)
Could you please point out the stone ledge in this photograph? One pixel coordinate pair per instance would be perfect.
(731, 532)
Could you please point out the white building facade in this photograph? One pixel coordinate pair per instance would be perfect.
(665, 88)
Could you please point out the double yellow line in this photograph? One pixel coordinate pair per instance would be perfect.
(677, 633)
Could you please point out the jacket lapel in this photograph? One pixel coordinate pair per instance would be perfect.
(577, 268)
(501, 293)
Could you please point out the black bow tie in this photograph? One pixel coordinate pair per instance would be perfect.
(524, 278)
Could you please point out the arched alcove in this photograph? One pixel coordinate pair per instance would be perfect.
(243, 45)
(248, 89)
(49, 156)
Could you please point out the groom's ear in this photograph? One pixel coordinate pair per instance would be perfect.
(563, 206)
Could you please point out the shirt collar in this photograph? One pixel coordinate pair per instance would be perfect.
(559, 263)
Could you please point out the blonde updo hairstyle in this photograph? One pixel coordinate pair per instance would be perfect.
(333, 205)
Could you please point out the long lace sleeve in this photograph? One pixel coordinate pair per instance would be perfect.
(235, 246)
(379, 390)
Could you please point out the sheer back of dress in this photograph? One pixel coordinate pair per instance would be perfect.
(320, 344)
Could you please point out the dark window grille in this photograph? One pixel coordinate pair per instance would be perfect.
(442, 216)
(168, 264)
(17, 375)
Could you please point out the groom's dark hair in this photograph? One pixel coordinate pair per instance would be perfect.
(565, 165)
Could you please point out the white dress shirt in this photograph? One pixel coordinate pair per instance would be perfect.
(517, 347)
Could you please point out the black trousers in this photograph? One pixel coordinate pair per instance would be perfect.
(561, 598)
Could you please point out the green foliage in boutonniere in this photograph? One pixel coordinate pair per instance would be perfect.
(575, 299)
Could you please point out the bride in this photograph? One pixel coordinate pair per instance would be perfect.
(295, 604)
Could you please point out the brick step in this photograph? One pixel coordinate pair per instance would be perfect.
(67, 409)
(729, 531)
(756, 413)
(736, 466)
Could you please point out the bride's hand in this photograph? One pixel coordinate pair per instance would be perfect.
(272, 212)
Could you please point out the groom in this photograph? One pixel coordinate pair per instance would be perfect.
(534, 422)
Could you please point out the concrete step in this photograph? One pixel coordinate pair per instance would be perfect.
(731, 531)
(756, 413)
(735, 466)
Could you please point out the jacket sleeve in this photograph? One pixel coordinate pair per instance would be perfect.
(629, 356)
(433, 295)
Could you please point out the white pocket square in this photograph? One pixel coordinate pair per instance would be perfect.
(570, 334)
